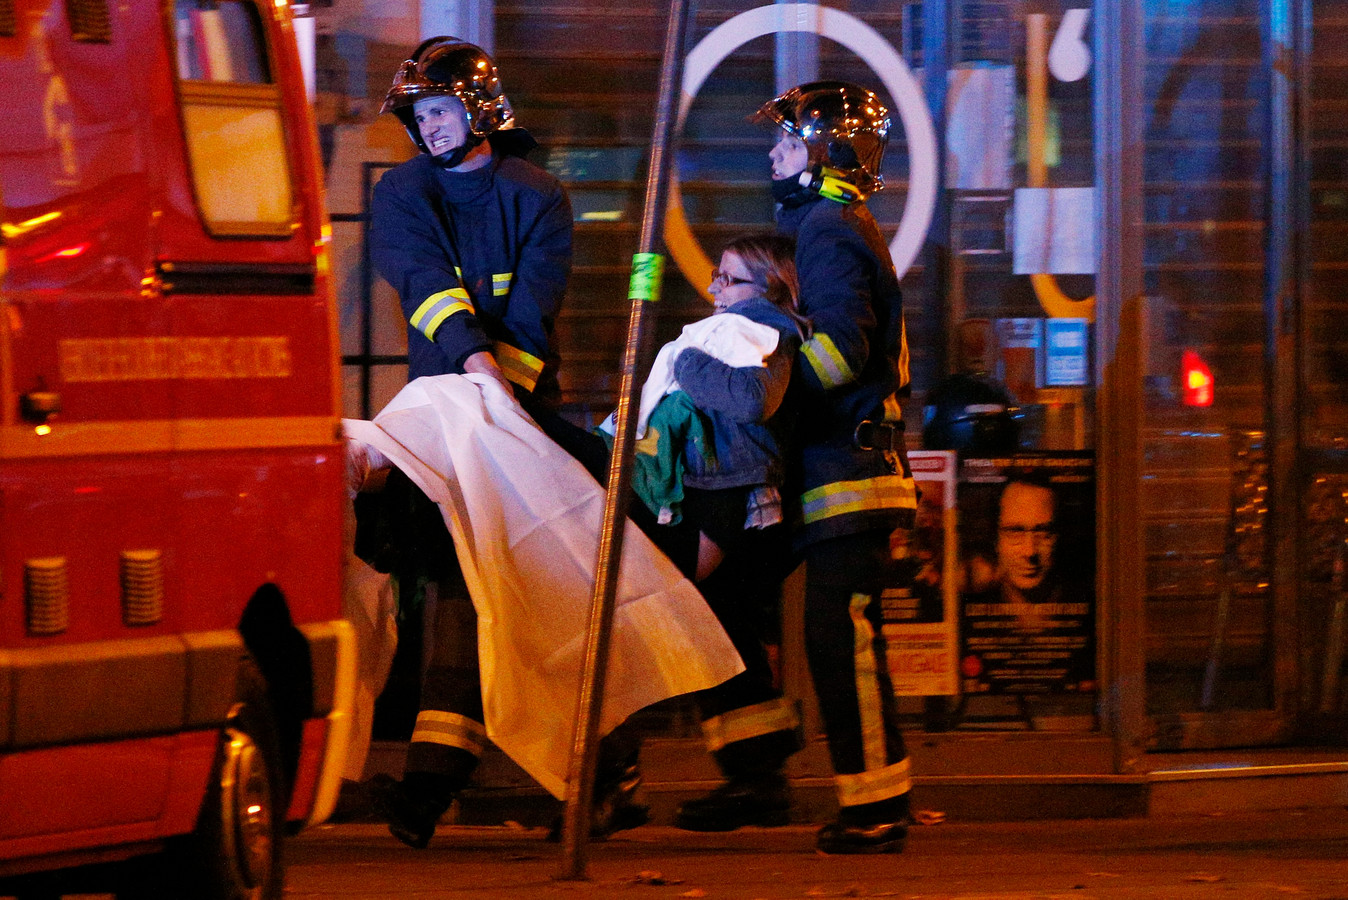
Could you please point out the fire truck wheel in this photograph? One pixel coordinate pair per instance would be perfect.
(235, 852)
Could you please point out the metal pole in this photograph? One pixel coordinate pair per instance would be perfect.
(940, 268)
(1119, 150)
(366, 290)
(937, 265)
(643, 288)
(1286, 182)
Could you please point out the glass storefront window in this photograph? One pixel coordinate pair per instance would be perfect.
(1209, 636)
(1019, 173)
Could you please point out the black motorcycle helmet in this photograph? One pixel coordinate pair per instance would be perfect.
(972, 414)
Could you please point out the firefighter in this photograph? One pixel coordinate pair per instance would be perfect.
(477, 242)
(855, 489)
(475, 239)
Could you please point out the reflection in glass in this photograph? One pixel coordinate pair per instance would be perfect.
(219, 42)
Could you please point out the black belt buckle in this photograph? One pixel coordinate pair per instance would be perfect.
(878, 435)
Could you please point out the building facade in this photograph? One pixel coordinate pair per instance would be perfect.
(1129, 213)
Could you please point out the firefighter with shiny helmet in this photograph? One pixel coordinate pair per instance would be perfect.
(446, 67)
(853, 487)
(476, 240)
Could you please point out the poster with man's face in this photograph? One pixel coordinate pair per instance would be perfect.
(1027, 573)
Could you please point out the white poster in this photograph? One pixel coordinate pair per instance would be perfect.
(980, 127)
(1055, 231)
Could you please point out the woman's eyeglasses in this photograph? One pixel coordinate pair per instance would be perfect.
(727, 280)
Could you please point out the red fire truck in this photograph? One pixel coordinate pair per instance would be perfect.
(175, 675)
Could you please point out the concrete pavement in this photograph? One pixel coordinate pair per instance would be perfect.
(1232, 856)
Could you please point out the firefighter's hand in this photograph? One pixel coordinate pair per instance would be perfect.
(483, 363)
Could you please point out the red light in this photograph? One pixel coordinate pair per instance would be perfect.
(66, 253)
(1196, 381)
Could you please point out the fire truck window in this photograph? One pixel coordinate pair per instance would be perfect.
(220, 42)
(232, 117)
(239, 164)
(89, 21)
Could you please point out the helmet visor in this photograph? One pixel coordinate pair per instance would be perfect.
(778, 112)
(409, 86)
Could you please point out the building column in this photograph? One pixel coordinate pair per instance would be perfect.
(797, 56)
(471, 20)
(1121, 570)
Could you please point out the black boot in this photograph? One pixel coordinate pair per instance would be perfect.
(870, 828)
(883, 837)
(758, 799)
(615, 803)
(411, 815)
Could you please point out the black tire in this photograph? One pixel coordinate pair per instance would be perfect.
(42, 891)
(235, 851)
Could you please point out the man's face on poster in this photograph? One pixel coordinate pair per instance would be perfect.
(1026, 536)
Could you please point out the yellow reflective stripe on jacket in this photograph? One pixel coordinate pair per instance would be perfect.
(874, 785)
(500, 283)
(841, 497)
(519, 367)
(826, 361)
(905, 375)
(450, 730)
(893, 409)
(749, 722)
(867, 684)
(437, 307)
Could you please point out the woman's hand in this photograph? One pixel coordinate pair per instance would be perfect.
(366, 468)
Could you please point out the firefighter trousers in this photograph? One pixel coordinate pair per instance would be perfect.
(844, 577)
(449, 737)
(749, 727)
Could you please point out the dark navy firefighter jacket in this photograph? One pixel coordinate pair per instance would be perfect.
(480, 262)
(853, 369)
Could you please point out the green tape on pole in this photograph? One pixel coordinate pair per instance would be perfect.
(648, 270)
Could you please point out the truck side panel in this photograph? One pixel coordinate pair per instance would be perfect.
(169, 432)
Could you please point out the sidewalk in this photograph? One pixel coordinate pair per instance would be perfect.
(1233, 856)
(990, 777)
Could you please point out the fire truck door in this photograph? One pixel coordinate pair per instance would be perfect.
(85, 431)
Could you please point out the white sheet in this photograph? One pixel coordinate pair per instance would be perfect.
(525, 518)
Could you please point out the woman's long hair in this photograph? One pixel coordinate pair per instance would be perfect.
(771, 260)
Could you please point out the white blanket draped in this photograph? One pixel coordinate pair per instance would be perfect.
(525, 518)
(733, 339)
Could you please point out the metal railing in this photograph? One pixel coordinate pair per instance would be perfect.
(366, 359)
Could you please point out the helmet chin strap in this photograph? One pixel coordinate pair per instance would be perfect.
(789, 191)
(829, 184)
(459, 153)
(819, 179)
